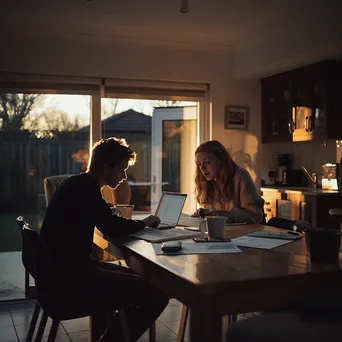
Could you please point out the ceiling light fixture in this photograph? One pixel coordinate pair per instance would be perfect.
(184, 6)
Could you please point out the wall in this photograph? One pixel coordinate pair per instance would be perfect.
(311, 154)
(87, 57)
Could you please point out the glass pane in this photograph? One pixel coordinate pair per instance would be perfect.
(133, 120)
(40, 136)
(178, 165)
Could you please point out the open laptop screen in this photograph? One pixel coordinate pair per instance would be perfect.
(170, 207)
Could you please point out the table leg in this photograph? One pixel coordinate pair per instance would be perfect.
(205, 322)
(95, 327)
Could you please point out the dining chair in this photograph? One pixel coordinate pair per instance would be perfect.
(57, 305)
(51, 183)
(120, 195)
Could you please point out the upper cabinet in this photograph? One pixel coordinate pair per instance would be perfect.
(303, 104)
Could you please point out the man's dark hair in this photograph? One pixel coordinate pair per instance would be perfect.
(111, 151)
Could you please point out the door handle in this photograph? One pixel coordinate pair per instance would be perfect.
(311, 124)
(306, 124)
(291, 126)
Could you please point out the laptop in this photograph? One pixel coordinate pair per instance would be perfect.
(169, 209)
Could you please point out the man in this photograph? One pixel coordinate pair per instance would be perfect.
(74, 210)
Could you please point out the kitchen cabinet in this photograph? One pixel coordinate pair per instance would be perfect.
(276, 109)
(303, 104)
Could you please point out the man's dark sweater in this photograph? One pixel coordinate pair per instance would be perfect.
(74, 210)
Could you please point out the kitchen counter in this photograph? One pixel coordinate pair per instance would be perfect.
(301, 190)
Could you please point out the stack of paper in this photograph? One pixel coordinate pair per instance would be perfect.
(201, 248)
(160, 235)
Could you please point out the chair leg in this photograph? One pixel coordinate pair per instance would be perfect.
(96, 327)
(27, 284)
(33, 323)
(182, 324)
(53, 331)
(41, 327)
(152, 332)
(124, 326)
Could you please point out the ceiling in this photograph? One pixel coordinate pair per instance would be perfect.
(225, 25)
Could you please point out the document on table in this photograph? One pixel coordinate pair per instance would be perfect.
(258, 242)
(188, 221)
(159, 235)
(201, 248)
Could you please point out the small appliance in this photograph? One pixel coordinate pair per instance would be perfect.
(331, 176)
(284, 164)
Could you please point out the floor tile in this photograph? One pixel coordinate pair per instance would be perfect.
(174, 326)
(79, 337)
(22, 317)
(59, 338)
(24, 306)
(76, 325)
(23, 329)
(171, 314)
(5, 319)
(174, 302)
(8, 334)
(163, 333)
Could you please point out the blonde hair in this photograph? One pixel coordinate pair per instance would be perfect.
(210, 192)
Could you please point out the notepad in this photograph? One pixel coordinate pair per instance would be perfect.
(276, 235)
(157, 235)
(201, 248)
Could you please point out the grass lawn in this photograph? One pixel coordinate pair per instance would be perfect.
(10, 237)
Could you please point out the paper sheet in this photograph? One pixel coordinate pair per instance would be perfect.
(258, 242)
(159, 235)
(188, 221)
(201, 248)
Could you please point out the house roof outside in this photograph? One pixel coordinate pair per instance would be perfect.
(127, 121)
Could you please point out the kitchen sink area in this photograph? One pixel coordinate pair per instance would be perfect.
(302, 203)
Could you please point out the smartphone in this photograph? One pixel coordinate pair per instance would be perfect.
(172, 246)
(200, 239)
(205, 239)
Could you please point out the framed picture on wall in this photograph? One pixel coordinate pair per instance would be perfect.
(236, 117)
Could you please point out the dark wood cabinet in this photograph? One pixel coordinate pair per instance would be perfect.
(276, 109)
(303, 104)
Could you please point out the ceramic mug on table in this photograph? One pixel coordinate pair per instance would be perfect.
(214, 225)
(323, 244)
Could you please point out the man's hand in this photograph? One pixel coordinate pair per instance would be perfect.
(201, 212)
(151, 221)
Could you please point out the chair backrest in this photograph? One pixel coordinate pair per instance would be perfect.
(50, 185)
(35, 256)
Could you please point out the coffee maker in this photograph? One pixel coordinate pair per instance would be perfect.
(332, 176)
(284, 164)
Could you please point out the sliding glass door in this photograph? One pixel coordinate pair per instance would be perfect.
(174, 141)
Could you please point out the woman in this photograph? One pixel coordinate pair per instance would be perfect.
(223, 188)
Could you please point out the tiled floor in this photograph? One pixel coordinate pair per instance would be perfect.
(15, 320)
(12, 277)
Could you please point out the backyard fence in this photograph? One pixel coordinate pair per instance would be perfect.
(26, 162)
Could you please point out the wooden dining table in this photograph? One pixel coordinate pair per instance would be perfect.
(213, 285)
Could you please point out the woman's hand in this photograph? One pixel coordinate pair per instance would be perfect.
(202, 212)
(151, 221)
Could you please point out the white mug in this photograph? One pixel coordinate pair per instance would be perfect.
(215, 225)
